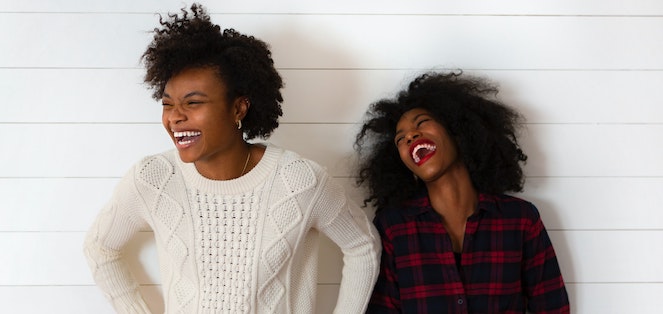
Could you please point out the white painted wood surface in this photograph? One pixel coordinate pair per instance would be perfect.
(337, 96)
(587, 76)
(110, 40)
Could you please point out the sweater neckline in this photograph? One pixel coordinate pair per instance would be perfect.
(245, 183)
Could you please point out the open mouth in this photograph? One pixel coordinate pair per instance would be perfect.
(186, 137)
(422, 150)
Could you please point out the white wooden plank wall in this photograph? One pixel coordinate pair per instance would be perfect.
(587, 75)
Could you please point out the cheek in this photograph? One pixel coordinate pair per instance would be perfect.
(164, 121)
(404, 155)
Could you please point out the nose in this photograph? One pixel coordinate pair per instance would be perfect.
(175, 115)
(411, 136)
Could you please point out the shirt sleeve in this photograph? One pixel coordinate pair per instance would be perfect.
(347, 225)
(386, 296)
(115, 225)
(542, 278)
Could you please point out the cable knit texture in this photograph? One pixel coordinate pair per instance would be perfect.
(247, 245)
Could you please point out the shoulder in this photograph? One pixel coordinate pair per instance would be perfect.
(293, 161)
(307, 183)
(156, 170)
(388, 219)
(510, 207)
(409, 210)
(296, 170)
(389, 213)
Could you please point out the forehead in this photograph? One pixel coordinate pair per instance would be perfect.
(412, 114)
(202, 79)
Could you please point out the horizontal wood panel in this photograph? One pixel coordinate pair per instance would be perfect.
(45, 258)
(596, 203)
(611, 298)
(468, 42)
(582, 96)
(335, 96)
(71, 204)
(77, 95)
(583, 256)
(587, 7)
(79, 150)
(55, 204)
(89, 299)
(74, 40)
(55, 300)
(355, 41)
(594, 150)
(609, 256)
(84, 150)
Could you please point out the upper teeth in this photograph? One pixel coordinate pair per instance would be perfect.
(186, 133)
(415, 157)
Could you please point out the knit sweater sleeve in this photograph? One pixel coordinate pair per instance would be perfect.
(115, 225)
(347, 225)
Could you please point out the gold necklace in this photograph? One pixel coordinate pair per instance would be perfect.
(246, 163)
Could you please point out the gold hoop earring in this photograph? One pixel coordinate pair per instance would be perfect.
(239, 124)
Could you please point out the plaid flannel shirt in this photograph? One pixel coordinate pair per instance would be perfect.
(508, 264)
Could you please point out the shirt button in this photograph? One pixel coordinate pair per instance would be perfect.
(460, 301)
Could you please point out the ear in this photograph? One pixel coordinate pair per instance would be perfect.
(241, 106)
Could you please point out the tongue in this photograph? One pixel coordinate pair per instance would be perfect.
(422, 152)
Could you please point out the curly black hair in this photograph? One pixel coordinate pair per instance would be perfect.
(243, 63)
(483, 129)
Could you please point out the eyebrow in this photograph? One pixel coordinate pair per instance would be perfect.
(413, 119)
(191, 94)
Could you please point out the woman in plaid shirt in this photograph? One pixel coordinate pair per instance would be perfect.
(437, 161)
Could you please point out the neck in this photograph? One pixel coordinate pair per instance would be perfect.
(453, 196)
(230, 165)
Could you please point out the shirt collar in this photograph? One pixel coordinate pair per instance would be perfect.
(420, 204)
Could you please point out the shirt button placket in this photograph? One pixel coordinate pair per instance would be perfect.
(462, 308)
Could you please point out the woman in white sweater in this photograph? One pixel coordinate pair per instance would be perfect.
(235, 223)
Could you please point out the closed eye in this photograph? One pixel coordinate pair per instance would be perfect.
(422, 121)
(193, 103)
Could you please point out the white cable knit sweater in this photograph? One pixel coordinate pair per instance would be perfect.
(247, 245)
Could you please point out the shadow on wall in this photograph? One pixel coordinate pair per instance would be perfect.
(141, 258)
(509, 95)
(326, 97)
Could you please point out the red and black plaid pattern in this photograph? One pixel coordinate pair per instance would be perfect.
(508, 264)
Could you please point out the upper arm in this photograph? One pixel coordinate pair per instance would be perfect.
(543, 282)
(386, 296)
(120, 219)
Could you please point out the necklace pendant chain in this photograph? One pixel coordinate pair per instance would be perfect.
(246, 163)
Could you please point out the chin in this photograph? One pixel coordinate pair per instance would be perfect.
(187, 158)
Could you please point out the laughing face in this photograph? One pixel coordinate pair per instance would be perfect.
(198, 117)
(424, 145)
